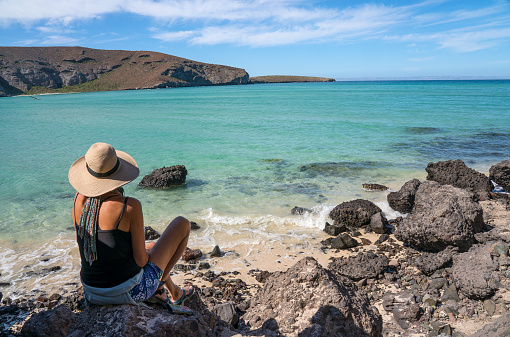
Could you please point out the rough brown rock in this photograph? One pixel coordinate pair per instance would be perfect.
(442, 216)
(354, 214)
(500, 173)
(456, 173)
(403, 200)
(308, 300)
(363, 265)
(474, 273)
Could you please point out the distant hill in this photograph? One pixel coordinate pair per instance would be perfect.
(32, 70)
(288, 79)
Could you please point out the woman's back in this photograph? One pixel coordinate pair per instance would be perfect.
(115, 262)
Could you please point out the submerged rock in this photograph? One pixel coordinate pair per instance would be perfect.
(374, 187)
(165, 177)
(299, 210)
(353, 214)
(456, 173)
(308, 300)
(442, 216)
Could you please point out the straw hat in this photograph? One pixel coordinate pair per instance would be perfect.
(102, 170)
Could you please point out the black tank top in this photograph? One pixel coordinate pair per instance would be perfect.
(115, 262)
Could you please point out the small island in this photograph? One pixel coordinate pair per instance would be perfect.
(288, 79)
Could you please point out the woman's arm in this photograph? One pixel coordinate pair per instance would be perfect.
(137, 232)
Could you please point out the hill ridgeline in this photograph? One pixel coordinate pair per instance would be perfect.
(33, 70)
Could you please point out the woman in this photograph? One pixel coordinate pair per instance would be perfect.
(116, 266)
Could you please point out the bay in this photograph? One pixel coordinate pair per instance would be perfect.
(252, 152)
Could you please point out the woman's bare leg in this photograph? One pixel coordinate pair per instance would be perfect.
(169, 249)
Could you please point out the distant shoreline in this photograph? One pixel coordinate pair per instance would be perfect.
(288, 79)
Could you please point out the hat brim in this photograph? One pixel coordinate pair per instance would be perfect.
(90, 186)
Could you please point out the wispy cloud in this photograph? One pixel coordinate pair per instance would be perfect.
(259, 23)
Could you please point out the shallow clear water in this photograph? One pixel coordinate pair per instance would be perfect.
(252, 152)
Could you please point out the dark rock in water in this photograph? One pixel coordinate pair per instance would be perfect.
(378, 224)
(442, 216)
(363, 265)
(499, 328)
(150, 233)
(353, 214)
(403, 200)
(334, 230)
(428, 263)
(308, 300)
(227, 312)
(500, 174)
(165, 177)
(343, 241)
(216, 252)
(194, 226)
(374, 187)
(456, 173)
(474, 273)
(300, 210)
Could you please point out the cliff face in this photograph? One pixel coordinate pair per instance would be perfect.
(54, 69)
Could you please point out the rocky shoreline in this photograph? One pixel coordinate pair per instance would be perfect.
(441, 270)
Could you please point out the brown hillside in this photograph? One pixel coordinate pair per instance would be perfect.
(65, 69)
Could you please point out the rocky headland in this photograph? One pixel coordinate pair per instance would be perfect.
(441, 269)
(35, 70)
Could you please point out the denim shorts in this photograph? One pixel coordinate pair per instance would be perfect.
(148, 284)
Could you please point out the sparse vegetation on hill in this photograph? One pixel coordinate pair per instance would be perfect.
(33, 70)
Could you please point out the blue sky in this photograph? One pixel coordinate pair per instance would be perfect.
(340, 39)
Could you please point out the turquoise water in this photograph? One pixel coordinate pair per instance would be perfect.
(252, 152)
(248, 149)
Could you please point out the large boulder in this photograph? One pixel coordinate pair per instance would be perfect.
(500, 173)
(475, 274)
(363, 265)
(308, 300)
(456, 173)
(165, 177)
(121, 320)
(353, 214)
(403, 200)
(442, 216)
(55, 322)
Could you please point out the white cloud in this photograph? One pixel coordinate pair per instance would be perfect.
(278, 22)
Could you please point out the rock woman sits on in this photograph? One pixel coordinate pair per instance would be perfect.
(116, 265)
